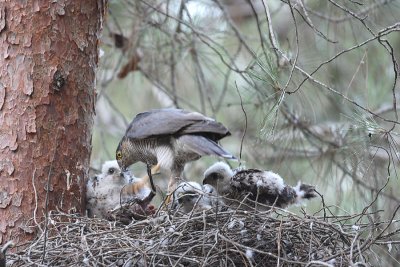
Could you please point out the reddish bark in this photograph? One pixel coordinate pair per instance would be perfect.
(48, 57)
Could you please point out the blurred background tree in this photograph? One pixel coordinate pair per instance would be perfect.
(308, 88)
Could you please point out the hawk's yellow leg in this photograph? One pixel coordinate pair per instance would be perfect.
(150, 172)
(171, 189)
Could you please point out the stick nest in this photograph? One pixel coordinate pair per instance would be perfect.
(206, 238)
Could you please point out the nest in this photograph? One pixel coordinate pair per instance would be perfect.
(207, 238)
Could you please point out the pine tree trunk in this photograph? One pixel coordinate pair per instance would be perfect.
(48, 58)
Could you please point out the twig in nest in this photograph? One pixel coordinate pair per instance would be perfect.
(197, 239)
(3, 251)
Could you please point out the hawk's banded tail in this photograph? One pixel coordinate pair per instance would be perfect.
(204, 146)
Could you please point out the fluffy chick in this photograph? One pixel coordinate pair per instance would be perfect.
(103, 191)
(263, 187)
(112, 188)
(191, 195)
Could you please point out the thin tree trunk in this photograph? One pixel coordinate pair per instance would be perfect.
(48, 58)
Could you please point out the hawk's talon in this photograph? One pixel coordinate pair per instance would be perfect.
(168, 199)
(153, 188)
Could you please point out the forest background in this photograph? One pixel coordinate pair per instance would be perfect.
(308, 89)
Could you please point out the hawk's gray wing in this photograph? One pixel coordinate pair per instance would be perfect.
(164, 122)
(203, 146)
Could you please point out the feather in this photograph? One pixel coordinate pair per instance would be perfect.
(191, 195)
(108, 190)
(264, 187)
(171, 138)
(163, 122)
(203, 146)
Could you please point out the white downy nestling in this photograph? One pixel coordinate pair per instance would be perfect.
(111, 188)
(264, 187)
(192, 195)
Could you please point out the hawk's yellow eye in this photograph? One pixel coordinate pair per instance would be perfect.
(119, 155)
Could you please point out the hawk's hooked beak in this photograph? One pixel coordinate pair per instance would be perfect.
(124, 172)
(124, 169)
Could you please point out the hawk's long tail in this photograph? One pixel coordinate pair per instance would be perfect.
(204, 146)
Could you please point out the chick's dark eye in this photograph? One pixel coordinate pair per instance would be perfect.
(111, 170)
